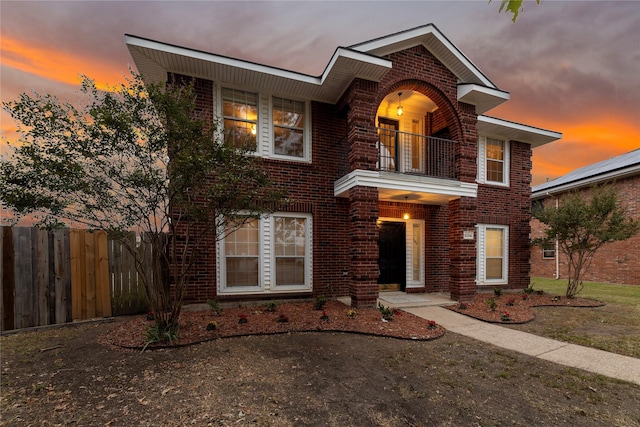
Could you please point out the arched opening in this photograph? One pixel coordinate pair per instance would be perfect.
(414, 135)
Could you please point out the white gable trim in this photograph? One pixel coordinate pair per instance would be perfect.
(433, 40)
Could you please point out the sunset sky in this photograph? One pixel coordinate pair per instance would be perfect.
(570, 66)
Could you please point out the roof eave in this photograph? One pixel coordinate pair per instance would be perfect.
(484, 98)
(584, 182)
(154, 59)
(491, 126)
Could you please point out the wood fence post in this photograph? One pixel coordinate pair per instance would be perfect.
(62, 273)
(103, 294)
(77, 276)
(41, 274)
(8, 280)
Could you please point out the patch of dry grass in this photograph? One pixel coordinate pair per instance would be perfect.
(614, 327)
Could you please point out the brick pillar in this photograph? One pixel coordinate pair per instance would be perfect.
(462, 217)
(363, 201)
(363, 232)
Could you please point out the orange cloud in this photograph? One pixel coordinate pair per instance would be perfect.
(54, 64)
(583, 144)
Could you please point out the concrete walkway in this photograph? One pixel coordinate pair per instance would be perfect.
(428, 306)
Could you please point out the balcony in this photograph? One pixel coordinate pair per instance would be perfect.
(411, 167)
(408, 153)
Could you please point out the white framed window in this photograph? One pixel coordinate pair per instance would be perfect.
(289, 128)
(242, 256)
(240, 117)
(493, 161)
(267, 255)
(549, 251)
(493, 254)
(291, 247)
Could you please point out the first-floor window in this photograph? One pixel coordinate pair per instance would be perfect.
(266, 255)
(290, 250)
(242, 255)
(549, 251)
(492, 253)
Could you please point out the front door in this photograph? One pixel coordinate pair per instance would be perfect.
(392, 256)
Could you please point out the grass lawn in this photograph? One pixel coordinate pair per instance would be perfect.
(610, 293)
(614, 327)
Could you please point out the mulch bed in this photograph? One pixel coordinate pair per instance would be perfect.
(513, 308)
(301, 317)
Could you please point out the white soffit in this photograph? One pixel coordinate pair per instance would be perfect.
(154, 59)
(504, 129)
(484, 98)
(395, 187)
(435, 42)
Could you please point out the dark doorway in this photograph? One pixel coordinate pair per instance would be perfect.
(392, 255)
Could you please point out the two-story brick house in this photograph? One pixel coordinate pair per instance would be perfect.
(397, 176)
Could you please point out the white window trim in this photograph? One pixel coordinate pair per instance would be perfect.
(266, 260)
(221, 265)
(306, 134)
(218, 107)
(264, 122)
(482, 162)
(481, 279)
(553, 248)
(307, 250)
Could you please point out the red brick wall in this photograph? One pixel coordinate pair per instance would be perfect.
(512, 206)
(348, 130)
(617, 262)
(312, 193)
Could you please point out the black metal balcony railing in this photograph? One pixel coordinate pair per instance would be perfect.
(416, 154)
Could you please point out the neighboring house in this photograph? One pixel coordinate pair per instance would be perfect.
(397, 176)
(617, 262)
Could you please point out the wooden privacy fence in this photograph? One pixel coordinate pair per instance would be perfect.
(64, 275)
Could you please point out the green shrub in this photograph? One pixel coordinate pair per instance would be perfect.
(387, 312)
(159, 332)
(215, 307)
(319, 302)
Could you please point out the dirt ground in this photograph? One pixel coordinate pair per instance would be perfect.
(67, 377)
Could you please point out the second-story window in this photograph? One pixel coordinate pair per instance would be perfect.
(240, 113)
(288, 127)
(493, 161)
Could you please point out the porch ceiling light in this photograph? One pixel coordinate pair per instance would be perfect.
(406, 201)
(400, 111)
